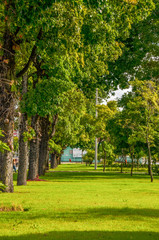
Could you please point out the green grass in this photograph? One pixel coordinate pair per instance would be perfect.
(83, 205)
(82, 167)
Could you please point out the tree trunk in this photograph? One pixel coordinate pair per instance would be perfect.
(7, 104)
(121, 167)
(34, 150)
(0, 166)
(132, 164)
(7, 157)
(23, 146)
(54, 160)
(59, 160)
(47, 162)
(43, 150)
(23, 152)
(138, 164)
(104, 161)
(149, 160)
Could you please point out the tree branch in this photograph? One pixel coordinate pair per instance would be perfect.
(17, 30)
(31, 58)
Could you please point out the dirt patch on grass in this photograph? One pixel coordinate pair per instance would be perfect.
(13, 208)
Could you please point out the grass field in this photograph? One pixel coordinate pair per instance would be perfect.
(83, 205)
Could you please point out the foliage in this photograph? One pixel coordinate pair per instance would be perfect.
(15, 144)
(106, 152)
(71, 110)
(143, 107)
(140, 53)
(89, 156)
(2, 187)
(3, 146)
(29, 135)
(54, 147)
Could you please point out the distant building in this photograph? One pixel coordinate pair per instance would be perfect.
(128, 160)
(72, 155)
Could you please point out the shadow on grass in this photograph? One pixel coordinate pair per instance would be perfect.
(84, 215)
(88, 235)
(102, 213)
(82, 176)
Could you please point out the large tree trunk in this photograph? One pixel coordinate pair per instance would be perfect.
(7, 104)
(43, 150)
(54, 160)
(34, 150)
(23, 152)
(0, 166)
(23, 146)
(7, 156)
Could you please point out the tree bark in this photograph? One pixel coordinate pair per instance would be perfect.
(47, 162)
(104, 161)
(132, 163)
(23, 146)
(34, 150)
(43, 150)
(0, 166)
(121, 167)
(7, 158)
(7, 104)
(54, 160)
(23, 152)
(59, 160)
(138, 164)
(149, 161)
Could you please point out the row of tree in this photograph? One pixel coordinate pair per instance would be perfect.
(54, 54)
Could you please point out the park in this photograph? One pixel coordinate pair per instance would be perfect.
(77, 160)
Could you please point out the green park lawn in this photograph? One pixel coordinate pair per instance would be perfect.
(82, 205)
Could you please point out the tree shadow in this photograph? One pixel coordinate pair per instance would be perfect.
(81, 215)
(85, 176)
(87, 235)
(109, 213)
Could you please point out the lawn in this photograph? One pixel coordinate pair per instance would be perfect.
(83, 205)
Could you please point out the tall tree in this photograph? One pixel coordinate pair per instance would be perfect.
(140, 53)
(143, 106)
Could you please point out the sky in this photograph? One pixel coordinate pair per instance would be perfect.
(118, 94)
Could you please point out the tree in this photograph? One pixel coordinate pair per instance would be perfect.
(88, 157)
(68, 128)
(106, 152)
(143, 106)
(140, 53)
(120, 132)
(105, 113)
